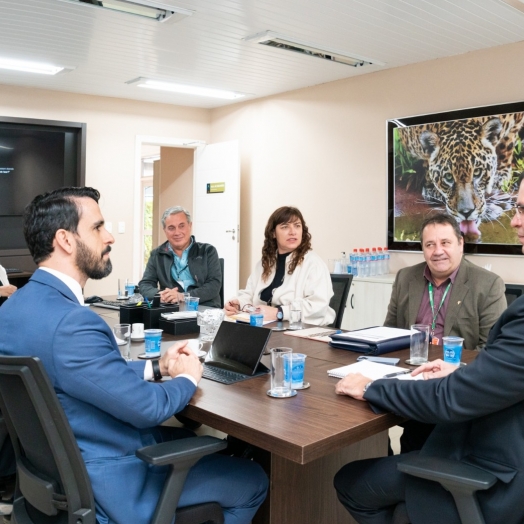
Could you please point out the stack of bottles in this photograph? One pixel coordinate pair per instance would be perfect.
(364, 262)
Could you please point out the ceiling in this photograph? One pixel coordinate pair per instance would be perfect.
(107, 49)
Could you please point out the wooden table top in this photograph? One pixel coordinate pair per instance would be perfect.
(310, 425)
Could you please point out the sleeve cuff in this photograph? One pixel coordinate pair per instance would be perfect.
(148, 371)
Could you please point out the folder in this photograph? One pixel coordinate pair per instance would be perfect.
(372, 341)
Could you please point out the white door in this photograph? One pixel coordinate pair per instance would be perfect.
(216, 205)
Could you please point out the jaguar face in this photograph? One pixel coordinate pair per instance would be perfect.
(462, 165)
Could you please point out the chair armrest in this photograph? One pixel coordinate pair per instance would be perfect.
(181, 450)
(450, 473)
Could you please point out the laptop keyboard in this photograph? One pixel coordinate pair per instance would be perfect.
(10, 270)
(223, 375)
(109, 304)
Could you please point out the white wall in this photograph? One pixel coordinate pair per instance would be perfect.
(112, 127)
(323, 148)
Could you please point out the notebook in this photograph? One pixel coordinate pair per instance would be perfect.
(373, 370)
(236, 350)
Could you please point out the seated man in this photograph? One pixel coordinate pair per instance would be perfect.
(479, 412)
(447, 293)
(112, 408)
(182, 265)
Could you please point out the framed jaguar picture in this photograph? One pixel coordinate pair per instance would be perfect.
(465, 163)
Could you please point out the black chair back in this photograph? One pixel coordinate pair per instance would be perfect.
(513, 291)
(52, 481)
(221, 260)
(341, 284)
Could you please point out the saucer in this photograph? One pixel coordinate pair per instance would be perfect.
(291, 394)
(137, 339)
(409, 363)
(147, 357)
(305, 385)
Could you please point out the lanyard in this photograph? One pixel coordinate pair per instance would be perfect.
(432, 304)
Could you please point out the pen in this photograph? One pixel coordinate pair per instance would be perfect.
(391, 375)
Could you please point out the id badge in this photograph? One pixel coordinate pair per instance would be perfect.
(435, 341)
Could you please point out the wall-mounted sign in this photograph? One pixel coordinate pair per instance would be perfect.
(216, 187)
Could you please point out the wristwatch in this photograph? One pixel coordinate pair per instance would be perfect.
(157, 376)
(280, 313)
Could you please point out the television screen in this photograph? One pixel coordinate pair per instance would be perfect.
(36, 156)
(464, 163)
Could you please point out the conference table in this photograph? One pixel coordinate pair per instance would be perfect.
(300, 441)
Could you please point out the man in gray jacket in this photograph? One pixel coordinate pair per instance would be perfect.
(182, 265)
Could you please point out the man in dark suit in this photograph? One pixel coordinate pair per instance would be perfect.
(111, 406)
(479, 412)
(448, 293)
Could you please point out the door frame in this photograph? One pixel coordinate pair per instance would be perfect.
(141, 140)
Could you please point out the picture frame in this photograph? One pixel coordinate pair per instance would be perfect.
(463, 162)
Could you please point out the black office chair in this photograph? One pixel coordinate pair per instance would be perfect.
(52, 482)
(513, 291)
(341, 284)
(221, 260)
(461, 480)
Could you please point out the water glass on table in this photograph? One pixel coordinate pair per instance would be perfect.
(209, 321)
(122, 335)
(192, 303)
(452, 349)
(281, 373)
(153, 339)
(295, 315)
(298, 364)
(418, 345)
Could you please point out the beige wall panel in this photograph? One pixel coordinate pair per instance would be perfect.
(323, 148)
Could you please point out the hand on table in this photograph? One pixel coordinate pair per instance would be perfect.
(436, 369)
(232, 307)
(352, 385)
(270, 313)
(169, 295)
(178, 359)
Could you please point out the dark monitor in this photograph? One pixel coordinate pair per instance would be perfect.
(513, 291)
(36, 156)
(238, 347)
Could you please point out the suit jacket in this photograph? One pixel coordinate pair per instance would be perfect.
(479, 412)
(476, 301)
(112, 410)
(204, 266)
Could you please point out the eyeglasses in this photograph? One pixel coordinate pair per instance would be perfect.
(517, 209)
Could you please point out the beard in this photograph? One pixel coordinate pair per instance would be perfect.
(90, 264)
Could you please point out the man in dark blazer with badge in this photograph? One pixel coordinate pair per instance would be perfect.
(448, 293)
(479, 412)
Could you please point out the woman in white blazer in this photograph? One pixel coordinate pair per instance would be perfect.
(288, 270)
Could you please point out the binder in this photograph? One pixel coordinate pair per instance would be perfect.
(360, 341)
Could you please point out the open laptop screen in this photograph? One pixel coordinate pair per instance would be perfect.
(238, 347)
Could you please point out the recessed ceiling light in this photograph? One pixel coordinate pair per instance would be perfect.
(144, 8)
(185, 89)
(32, 67)
(271, 39)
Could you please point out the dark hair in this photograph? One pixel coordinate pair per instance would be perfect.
(442, 219)
(283, 215)
(48, 213)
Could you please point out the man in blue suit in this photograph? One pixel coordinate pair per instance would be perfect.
(112, 407)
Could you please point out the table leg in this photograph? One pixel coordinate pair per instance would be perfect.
(304, 494)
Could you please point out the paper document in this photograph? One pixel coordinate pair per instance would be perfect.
(376, 334)
(244, 318)
(373, 370)
(177, 315)
(3, 277)
(315, 333)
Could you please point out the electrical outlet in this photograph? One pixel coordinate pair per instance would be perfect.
(121, 227)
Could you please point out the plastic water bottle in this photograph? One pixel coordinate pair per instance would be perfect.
(368, 262)
(354, 263)
(386, 260)
(136, 297)
(380, 261)
(343, 263)
(373, 267)
(362, 269)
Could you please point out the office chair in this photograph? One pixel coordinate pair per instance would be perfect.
(461, 480)
(52, 482)
(221, 293)
(513, 291)
(341, 284)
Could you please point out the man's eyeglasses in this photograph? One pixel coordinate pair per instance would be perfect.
(517, 209)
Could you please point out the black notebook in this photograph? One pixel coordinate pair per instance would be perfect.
(237, 349)
(372, 341)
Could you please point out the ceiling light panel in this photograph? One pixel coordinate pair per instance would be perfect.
(32, 67)
(277, 41)
(144, 8)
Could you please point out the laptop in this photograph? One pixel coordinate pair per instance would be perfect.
(236, 352)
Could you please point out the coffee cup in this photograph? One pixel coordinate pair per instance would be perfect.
(137, 331)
